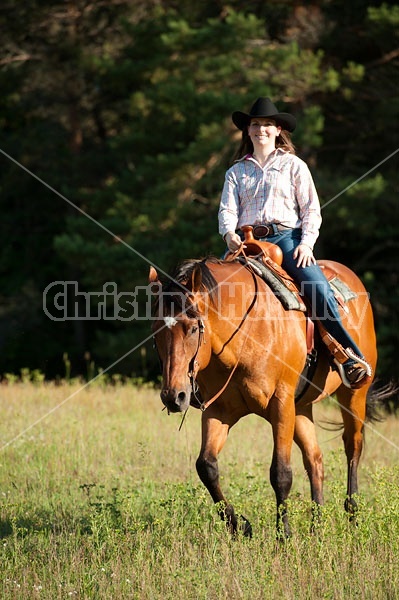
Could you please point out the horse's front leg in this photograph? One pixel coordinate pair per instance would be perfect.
(281, 415)
(214, 436)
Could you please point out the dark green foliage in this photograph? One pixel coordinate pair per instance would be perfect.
(124, 109)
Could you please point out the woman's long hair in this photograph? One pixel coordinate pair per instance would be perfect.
(246, 146)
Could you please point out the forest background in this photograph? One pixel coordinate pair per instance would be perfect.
(116, 133)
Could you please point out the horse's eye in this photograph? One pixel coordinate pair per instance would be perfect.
(194, 329)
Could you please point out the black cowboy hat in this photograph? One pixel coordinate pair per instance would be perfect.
(264, 107)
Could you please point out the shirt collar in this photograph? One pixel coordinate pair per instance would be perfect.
(276, 152)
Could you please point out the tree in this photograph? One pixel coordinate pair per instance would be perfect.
(124, 108)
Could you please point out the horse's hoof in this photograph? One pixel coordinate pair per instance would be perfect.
(352, 509)
(283, 533)
(317, 518)
(246, 527)
(350, 506)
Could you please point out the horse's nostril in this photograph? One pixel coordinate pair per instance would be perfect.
(175, 401)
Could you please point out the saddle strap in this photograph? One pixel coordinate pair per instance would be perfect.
(337, 350)
(309, 335)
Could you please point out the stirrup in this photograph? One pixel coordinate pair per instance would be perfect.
(360, 361)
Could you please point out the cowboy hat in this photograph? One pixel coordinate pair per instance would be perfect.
(264, 107)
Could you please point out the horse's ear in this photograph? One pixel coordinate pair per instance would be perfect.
(196, 279)
(153, 275)
(153, 280)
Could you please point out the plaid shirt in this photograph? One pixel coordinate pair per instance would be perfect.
(282, 192)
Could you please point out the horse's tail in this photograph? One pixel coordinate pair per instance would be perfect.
(381, 397)
(380, 401)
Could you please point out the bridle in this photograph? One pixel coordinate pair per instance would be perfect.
(194, 364)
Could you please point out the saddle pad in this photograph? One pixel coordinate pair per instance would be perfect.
(288, 299)
(340, 288)
(292, 300)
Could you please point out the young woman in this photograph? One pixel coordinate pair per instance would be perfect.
(272, 189)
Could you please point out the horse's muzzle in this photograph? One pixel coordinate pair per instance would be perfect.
(175, 400)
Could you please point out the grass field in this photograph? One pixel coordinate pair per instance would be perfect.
(100, 500)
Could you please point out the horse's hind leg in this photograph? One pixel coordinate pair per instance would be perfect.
(214, 435)
(305, 438)
(353, 409)
(281, 417)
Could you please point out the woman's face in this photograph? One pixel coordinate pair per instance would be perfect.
(263, 131)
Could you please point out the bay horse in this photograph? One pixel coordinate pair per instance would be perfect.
(219, 329)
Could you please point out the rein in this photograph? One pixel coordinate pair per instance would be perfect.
(194, 365)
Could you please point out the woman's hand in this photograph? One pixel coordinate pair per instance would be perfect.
(233, 241)
(304, 254)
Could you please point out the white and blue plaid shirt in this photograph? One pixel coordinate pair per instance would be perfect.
(282, 192)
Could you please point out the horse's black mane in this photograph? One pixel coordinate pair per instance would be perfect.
(176, 291)
(183, 273)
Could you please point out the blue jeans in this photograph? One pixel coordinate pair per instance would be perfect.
(314, 286)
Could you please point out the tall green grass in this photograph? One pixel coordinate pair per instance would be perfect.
(100, 500)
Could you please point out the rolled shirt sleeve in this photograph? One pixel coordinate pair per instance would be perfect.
(229, 207)
(309, 205)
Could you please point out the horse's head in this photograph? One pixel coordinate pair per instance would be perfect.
(178, 330)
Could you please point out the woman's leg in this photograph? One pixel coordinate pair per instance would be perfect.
(315, 287)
